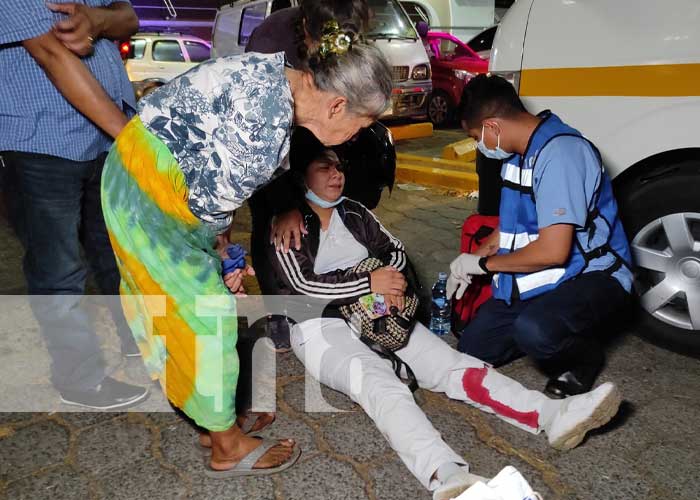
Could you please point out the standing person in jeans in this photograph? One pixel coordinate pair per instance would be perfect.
(560, 256)
(65, 96)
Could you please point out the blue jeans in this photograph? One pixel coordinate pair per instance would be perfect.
(54, 207)
(554, 328)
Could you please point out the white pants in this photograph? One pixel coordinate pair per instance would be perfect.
(332, 353)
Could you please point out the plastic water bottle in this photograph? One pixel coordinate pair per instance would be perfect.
(440, 307)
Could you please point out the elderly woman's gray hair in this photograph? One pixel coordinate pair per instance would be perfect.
(362, 75)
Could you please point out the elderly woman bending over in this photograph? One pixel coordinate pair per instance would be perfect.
(199, 147)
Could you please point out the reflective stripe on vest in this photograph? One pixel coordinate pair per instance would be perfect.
(516, 241)
(512, 174)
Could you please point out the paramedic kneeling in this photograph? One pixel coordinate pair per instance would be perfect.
(560, 258)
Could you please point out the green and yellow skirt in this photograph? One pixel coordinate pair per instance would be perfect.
(180, 312)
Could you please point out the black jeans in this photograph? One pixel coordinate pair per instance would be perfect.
(54, 207)
(551, 328)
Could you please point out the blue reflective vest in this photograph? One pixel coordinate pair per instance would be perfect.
(602, 234)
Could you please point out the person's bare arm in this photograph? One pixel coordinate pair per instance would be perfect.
(76, 83)
(85, 24)
(117, 21)
(490, 245)
(552, 248)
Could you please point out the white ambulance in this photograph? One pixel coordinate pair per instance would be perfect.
(627, 74)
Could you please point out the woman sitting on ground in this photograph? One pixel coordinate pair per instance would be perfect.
(342, 233)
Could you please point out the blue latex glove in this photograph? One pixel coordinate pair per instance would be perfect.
(236, 259)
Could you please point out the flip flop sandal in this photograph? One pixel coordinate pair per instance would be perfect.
(245, 466)
(250, 421)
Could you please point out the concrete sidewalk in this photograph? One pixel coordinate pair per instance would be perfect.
(650, 451)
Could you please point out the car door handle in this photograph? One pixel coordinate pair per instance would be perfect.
(161, 67)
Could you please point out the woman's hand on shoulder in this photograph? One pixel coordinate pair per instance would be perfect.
(285, 228)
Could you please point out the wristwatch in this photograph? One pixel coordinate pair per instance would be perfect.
(482, 264)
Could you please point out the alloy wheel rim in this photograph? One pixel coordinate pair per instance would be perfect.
(438, 109)
(667, 256)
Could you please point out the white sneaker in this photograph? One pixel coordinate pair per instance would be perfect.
(456, 484)
(582, 413)
(508, 484)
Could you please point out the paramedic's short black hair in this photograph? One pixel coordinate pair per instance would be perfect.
(487, 96)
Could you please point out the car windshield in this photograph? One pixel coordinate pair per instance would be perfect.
(483, 41)
(389, 21)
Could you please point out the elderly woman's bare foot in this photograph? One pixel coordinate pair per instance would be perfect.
(264, 419)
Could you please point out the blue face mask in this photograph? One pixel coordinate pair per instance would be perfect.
(316, 199)
(494, 154)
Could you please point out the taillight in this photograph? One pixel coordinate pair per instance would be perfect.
(124, 50)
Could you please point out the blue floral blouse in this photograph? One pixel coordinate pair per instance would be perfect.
(228, 123)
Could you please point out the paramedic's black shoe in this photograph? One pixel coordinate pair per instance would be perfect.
(584, 360)
(111, 394)
(567, 384)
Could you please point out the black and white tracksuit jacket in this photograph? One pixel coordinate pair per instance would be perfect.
(294, 270)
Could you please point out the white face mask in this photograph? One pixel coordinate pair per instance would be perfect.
(494, 154)
(314, 198)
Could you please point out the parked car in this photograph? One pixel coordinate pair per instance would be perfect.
(391, 31)
(152, 59)
(639, 103)
(453, 64)
(482, 43)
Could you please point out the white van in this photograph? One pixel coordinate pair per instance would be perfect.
(462, 18)
(391, 30)
(627, 74)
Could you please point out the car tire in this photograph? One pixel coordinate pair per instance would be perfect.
(440, 109)
(661, 215)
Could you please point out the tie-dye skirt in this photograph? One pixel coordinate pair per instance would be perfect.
(179, 310)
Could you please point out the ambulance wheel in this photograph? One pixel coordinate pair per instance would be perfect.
(661, 214)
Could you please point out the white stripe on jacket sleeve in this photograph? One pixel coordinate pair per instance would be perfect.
(398, 256)
(301, 284)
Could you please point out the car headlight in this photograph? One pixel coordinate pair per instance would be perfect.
(463, 75)
(421, 72)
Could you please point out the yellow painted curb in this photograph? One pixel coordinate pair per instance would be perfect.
(411, 131)
(464, 150)
(433, 162)
(423, 173)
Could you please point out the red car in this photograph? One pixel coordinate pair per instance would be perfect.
(453, 64)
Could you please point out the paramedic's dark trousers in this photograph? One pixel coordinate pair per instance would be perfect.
(54, 207)
(556, 328)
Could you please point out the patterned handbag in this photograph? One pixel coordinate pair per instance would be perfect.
(392, 331)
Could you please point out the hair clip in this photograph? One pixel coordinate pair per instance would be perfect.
(334, 41)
